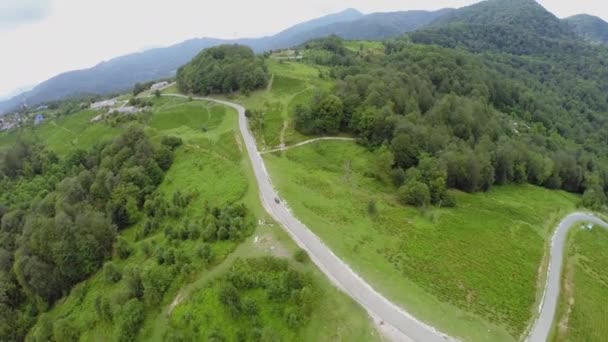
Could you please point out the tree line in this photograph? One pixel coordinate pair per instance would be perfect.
(60, 217)
(475, 120)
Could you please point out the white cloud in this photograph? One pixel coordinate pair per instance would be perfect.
(81, 33)
(17, 12)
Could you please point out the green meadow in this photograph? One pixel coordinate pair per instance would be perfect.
(471, 270)
(291, 84)
(212, 166)
(583, 310)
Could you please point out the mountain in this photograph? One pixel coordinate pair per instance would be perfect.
(526, 15)
(590, 28)
(120, 74)
(376, 26)
(520, 27)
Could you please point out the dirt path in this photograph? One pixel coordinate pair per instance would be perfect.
(283, 148)
(269, 87)
(282, 137)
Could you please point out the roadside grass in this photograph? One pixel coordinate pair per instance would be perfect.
(472, 270)
(583, 307)
(212, 164)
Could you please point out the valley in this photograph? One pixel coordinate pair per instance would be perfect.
(445, 180)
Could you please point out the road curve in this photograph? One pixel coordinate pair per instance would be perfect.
(542, 326)
(405, 326)
(305, 143)
(380, 308)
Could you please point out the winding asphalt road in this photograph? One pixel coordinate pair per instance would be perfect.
(407, 327)
(542, 326)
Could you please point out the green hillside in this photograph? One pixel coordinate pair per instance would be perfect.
(592, 29)
(584, 285)
(161, 264)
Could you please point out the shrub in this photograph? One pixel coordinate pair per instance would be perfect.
(301, 256)
(372, 209)
(415, 193)
(111, 273)
(172, 142)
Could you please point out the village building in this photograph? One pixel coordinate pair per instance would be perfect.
(159, 85)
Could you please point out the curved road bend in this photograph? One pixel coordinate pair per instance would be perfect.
(408, 327)
(377, 306)
(542, 326)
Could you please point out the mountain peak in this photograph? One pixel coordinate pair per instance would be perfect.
(591, 28)
(526, 15)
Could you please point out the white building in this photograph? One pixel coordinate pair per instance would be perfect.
(103, 104)
(159, 85)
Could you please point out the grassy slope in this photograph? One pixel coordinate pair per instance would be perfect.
(471, 270)
(211, 162)
(583, 308)
(65, 133)
(292, 83)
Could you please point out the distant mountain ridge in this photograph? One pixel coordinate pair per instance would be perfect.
(590, 28)
(512, 26)
(121, 73)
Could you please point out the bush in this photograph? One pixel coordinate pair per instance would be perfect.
(172, 142)
(301, 256)
(111, 273)
(123, 248)
(130, 318)
(372, 209)
(398, 177)
(415, 193)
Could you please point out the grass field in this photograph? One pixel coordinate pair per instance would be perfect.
(65, 133)
(291, 83)
(213, 164)
(471, 270)
(583, 308)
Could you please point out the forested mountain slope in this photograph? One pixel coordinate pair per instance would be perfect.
(591, 28)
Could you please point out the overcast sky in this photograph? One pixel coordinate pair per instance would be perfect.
(42, 38)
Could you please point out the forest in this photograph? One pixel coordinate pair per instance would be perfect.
(223, 69)
(447, 118)
(60, 217)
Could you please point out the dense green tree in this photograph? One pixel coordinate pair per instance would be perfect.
(223, 69)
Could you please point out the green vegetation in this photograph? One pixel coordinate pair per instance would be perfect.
(271, 110)
(582, 313)
(223, 69)
(449, 109)
(472, 270)
(187, 234)
(257, 299)
(60, 217)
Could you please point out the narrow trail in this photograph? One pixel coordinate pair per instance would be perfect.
(396, 323)
(284, 148)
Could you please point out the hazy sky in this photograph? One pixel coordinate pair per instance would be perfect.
(42, 38)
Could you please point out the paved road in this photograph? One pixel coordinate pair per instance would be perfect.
(542, 326)
(305, 143)
(406, 327)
